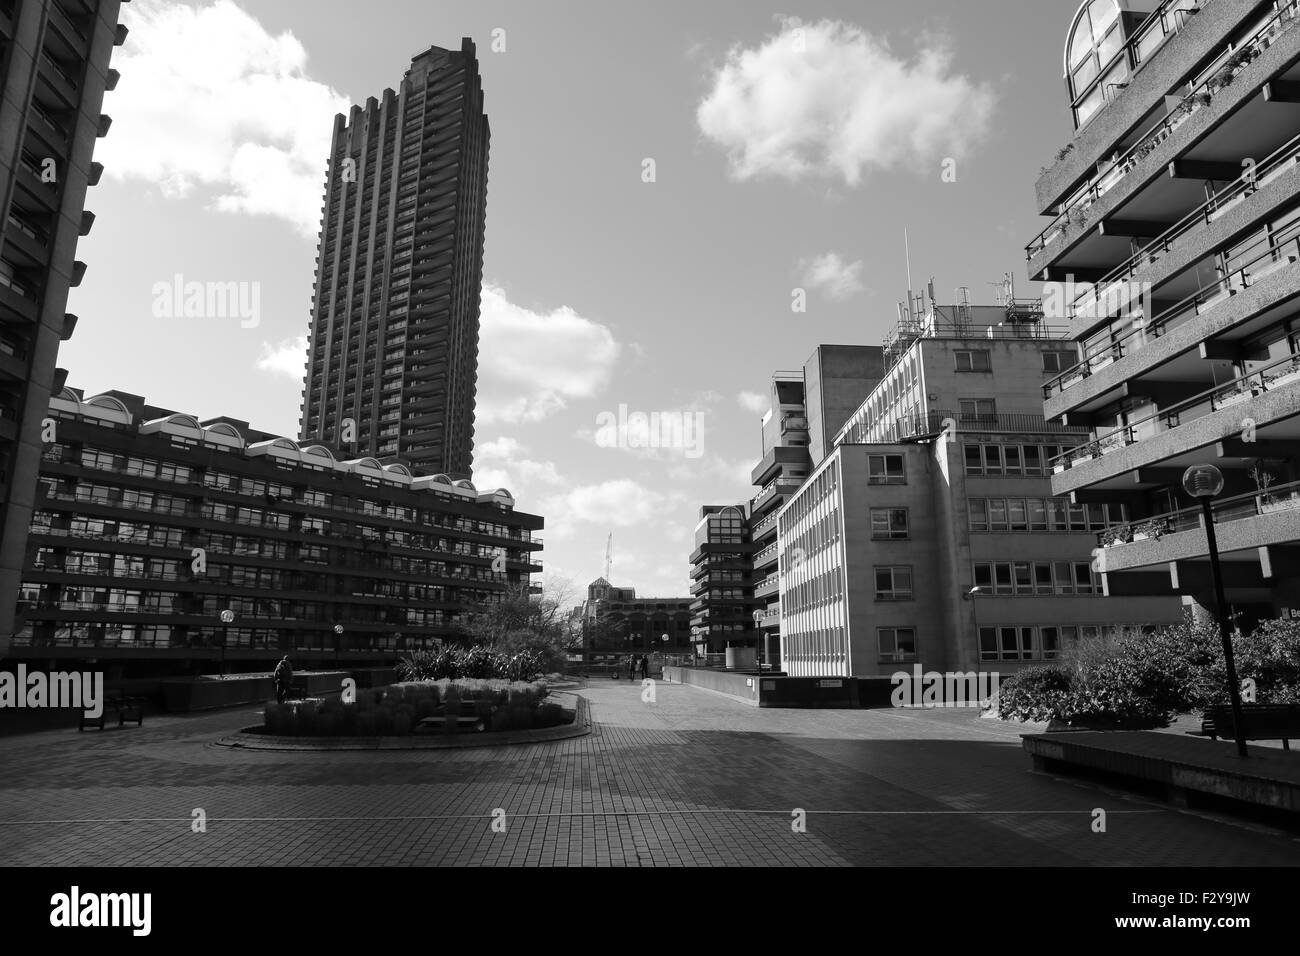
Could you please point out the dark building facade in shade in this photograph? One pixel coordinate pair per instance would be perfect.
(1175, 208)
(392, 361)
(149, 524)
(615, 619)
(54, 57)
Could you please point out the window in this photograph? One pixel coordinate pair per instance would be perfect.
(896, 643)
(1058, 361)
(998, 514)
(889, 523)
(885, 470)
(974, 460)
(979, 514)
(894, 583)
(973, 361)
(977, 409)
(992, 459)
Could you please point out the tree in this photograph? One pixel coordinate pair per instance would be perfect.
(520, 621)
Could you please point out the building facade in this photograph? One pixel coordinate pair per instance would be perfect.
(929, 534)
(392, 359)
(1172, 253)
(54, 57)
(615, 619)
(150, 524)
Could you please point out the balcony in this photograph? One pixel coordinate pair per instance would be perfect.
(1144, 335)
(1217, 112)
(765, 557)
(1173, 435)
(1265, 173)
(781, 486)
(1244, 522)
(769, 585)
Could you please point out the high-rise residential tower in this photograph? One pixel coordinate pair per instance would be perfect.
(1172, 253)
(54, 70)
(393, 347)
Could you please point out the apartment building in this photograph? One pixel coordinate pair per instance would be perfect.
(392, 361)
(1171, 255)
(615, 619)
(54, 57)
(167, 543)
(930, 534)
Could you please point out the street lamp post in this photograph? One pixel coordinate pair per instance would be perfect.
(1205, 482)
(338, 639)
(664, 659)
(758, 639)
(227, 617)
(971, 596)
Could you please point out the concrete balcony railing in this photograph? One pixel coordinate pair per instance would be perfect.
(1248, 521)
(769, 585)
(1154, 71)
(1207, 228)
(1265, 396)
(1244, 69)
(1243, 293)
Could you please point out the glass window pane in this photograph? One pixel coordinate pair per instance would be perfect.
(1037, 514)
(974, 462)
(997, 514)
(1018, 514)
(979, 514)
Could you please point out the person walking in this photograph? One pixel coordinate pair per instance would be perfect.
(631, 667)
(645, 667)
(282, 678)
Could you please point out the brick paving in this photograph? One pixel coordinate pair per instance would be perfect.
(693, 779)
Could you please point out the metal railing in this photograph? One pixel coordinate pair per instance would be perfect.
(1274, 375)
(1198, 96)
(1180, 312)
(1258, 177)
(1251, 504)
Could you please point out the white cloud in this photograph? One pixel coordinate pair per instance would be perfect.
(532, 363)
(835, 102)
(503, 463)
(755, 402)
(621, 503)
(209, 100)
(831, 275)
(289, 358)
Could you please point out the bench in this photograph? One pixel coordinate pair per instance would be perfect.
(126, 708)
(468, 716)
(1259, 722)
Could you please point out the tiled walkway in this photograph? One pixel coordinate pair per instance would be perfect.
(690, 779)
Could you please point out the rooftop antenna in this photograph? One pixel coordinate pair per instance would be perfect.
(907, 251)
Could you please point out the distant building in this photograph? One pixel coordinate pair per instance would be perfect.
(614, 619)
(929, 534)
(150, 525)
(53, 73)
(392, 361)
(1173, 253)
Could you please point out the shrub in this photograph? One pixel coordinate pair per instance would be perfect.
(1034, 693)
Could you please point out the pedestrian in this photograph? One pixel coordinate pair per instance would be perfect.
(282, 678)
(631, 667)
(645, 667)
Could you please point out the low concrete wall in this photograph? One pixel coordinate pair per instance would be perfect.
(741, 687)
(843, 693)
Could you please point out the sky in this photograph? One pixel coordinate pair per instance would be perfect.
(663, 181)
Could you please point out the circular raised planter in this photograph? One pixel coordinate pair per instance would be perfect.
(249, 739)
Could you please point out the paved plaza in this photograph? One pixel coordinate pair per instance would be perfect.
(691, 779)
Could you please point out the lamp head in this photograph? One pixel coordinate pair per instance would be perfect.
(1203, 481)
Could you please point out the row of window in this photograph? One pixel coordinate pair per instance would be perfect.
(1041, 514)
(1020, 642)
(987, 459)
(978, 360)
(1036, 577)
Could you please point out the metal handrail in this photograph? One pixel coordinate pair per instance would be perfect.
(1247, 505)
(1253, 383)
(1158, 325)
(1201, 215)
